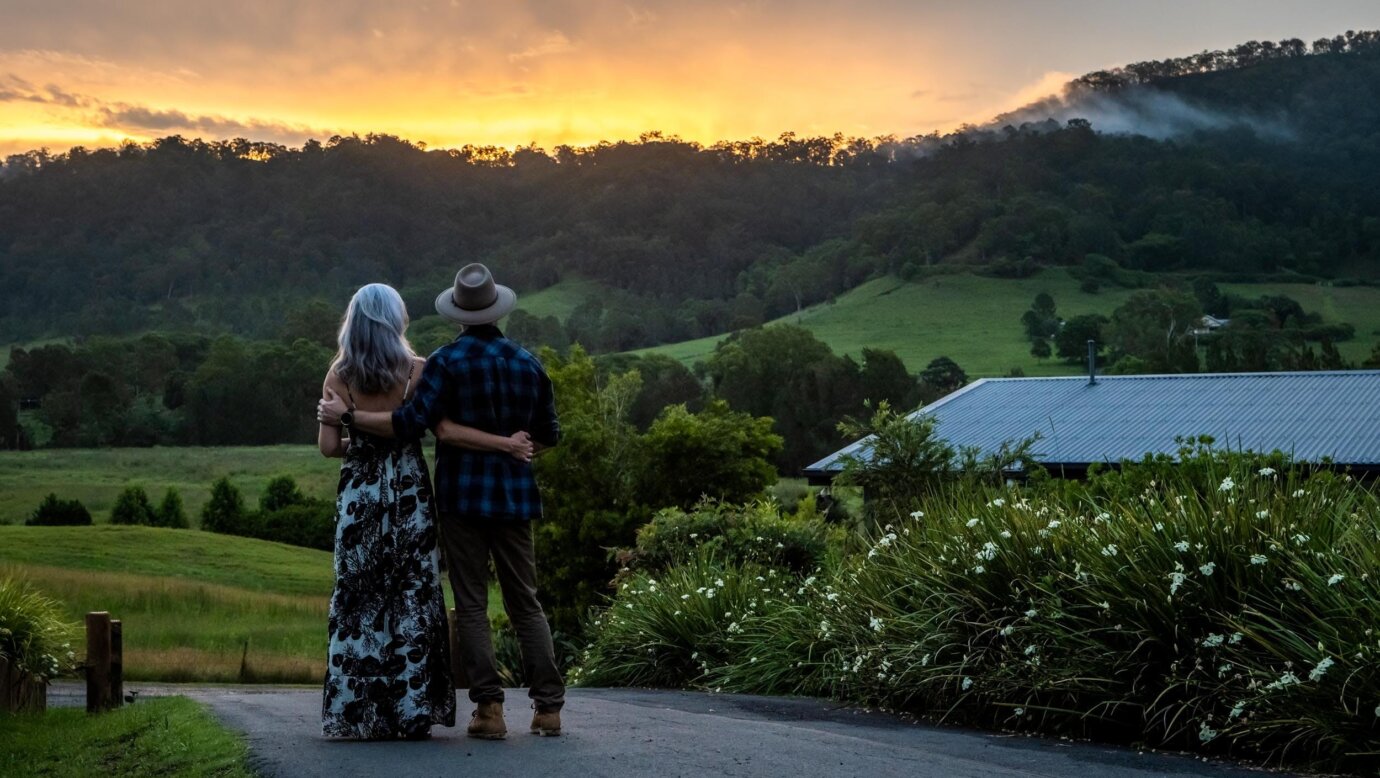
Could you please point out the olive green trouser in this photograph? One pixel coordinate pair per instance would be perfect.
(469, 542)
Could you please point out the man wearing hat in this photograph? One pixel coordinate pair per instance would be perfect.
(485, 500)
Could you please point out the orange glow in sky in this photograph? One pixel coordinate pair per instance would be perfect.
(451, 72)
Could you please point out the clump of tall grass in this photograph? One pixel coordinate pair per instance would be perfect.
(1216, 603)
(34, 636)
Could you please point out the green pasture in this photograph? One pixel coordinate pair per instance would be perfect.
(96, 476)
(975, 320)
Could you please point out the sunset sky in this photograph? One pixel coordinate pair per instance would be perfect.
(450, 72)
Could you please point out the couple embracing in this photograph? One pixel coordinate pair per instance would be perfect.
(491, 407)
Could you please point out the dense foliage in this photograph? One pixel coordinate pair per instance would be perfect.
(1222, 602)
(56, 512)
(699, 240)
(606, 478)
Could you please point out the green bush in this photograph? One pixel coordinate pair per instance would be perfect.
(1209, 603)
(735, 535)
(132, 506)
(53, 512)
(224, 512)
(170, 512)
(310, 523)
(281, 492)
(33, 634)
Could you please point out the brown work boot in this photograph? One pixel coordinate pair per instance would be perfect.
(487, 722)
(547, 724)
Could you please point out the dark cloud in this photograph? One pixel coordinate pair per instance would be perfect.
(152, 121)
(146, 120)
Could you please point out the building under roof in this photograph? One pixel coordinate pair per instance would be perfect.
(1331, 417)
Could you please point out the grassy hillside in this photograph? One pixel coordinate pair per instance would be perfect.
(195, 606)
(96, 476)
(975, 320)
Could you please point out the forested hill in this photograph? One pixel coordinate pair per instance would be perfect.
(1268, 168)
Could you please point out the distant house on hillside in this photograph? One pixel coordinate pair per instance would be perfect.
(1321, 417)
(1210, 324)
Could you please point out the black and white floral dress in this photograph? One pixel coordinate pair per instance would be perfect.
(389, 672)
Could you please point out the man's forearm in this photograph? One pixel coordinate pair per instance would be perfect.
(378, 423)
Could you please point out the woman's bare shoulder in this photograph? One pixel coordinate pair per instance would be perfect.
(334, 382)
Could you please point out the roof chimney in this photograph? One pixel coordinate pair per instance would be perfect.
(1092, 362)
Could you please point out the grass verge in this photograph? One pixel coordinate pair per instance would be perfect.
(172, 736)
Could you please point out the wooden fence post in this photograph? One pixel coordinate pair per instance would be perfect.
(97, 661)
(117, 664)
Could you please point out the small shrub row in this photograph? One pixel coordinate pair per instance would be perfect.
(132, 507)
(285, 515)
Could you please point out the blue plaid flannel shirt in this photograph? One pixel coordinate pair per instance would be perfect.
(485, 381)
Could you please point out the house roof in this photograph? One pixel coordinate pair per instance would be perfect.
(1312, 416)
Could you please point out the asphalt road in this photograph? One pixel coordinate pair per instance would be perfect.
(625, 733)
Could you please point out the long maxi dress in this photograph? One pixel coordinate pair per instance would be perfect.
(389, 671)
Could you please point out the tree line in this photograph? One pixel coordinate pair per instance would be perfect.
(692, 240)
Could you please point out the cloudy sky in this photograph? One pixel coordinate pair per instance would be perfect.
(508, 72)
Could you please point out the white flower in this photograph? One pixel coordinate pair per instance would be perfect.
(1227, 485)
(754, 659)
(1238, 709)
(1299, 493)
(875, 623)
(1262, 514)
(1320, 669)
(709, 594)
(1181, 546)
(1054, 523)
(972, 523)
(694, 535)
(1300, 539)
(997, 503)
(831, 596)
(1213, 641)
(988, 552)
(967, 684)
(1207, 568)
(979, 569)
(1288, 679)
(1007, 630)
(1031, 649)
(1005, 533)
(1020, 711)
(1176, 579)
(1335, 579)
(917, 514)
(1106, 606)
(1109, 550)
(1032, 613)
(1293, 586)
(1258, 559)
(1235, 638)
(1265, 472)
(719, 583)
(1206, 733)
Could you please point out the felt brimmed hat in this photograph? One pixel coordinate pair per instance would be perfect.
(475, 298)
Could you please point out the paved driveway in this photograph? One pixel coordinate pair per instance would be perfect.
(623, 733)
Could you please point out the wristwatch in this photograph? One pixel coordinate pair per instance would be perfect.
(347, 419)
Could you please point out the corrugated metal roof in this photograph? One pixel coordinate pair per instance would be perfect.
(1311, 416)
